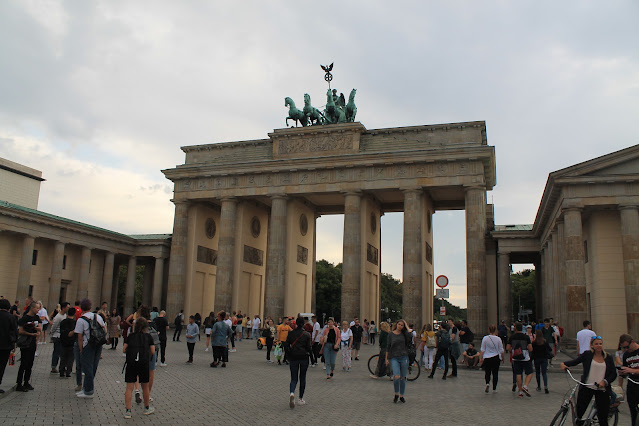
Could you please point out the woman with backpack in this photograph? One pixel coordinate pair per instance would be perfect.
(443, 349)
(490, 356)
(138, 348)
(430, 346)
(399, 340)
(298, 344)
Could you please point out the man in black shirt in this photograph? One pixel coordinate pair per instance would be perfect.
(357, 330)
(15, 310)
(465, 335)
(29, 325)
(631, 367)
(471, 356)
(8, 335)
(162, 325)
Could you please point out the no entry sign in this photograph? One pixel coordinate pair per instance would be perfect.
(441, 281)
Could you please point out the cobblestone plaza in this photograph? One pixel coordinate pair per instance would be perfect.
(250, 391)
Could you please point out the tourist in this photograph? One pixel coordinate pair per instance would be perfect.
(455, 347)
(466, 336)
(503, 333)
(598, 372)
(316, 336)
(256, 327)
(15, 309)
(372, 332)
(550, 337)
(28, 332)
(346, 343)
(471, 356)
(162, 326)
(155, 312)
(529, 332)
(429, 347)
(89, 354)
(365, 326)
(282, 333)
(27, 305)
(358, 333)
(67, 342)
(55, 335)
(220, 333)
(208, 326)
(630, 369)
(44, 320)
(229, 322)
(397, 356)
(443, 349)
(330, 345)
(269, 334)
(490, 356)
(114, 328)
(179, 320)
(104, 311)
(521, 346)
(139, 349)
(584, 337)
(192, 331)
(541, 349)
(243, 327)
(383, 346)
(8, 335)
(298, 342)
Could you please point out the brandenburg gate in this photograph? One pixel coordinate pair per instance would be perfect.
(244, 235)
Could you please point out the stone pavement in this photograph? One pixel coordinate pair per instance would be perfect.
(250, 391)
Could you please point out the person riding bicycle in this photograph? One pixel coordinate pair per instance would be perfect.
(599, 369)
(630, 369)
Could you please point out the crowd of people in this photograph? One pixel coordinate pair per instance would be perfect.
(79, 333)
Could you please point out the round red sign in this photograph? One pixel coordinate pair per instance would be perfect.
(441, 281)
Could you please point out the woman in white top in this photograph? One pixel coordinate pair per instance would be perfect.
(346, 342)
(491, 356)
(44, 317)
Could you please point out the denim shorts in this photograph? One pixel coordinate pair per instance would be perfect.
(152, 362)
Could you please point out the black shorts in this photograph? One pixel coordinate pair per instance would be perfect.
(356, 345)
(45, 326)
(135, 372)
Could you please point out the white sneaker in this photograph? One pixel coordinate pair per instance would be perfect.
(149, 410)
(206, 350)
(127, 414)
(301, 402)
(291, 402)
(162, 364)
(84, 395)
(233, 350)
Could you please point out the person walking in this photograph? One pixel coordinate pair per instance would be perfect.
(630, 369)
(381, 369)
(490, 356)
(269, 335)
(219, 334)
(192, 331)
(316, 336)
(67, 343)
(89, 353)
(372, 332)
(298, 342)
(358, 333)
(455, 347)
(443, 349)
(28, 333)
(208, 326)
(599, 372)
(330, 345)
(541, 350)
(139, 349)
(521, 347)
(162, 326)
(179, 320)
(44, 321)
(282, 333)
(114, 328)
(256, 327)
(584, 337)
(55, 335)
(397, 356)
(8, 335)
(430, 346)
(346, 343)
(365, 326)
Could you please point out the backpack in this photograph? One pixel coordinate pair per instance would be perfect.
(430, 341)
(97, 334)
(444, 340)
(178, 320)
(470, 337)
(155, 336)
(518, 351)
(137, 350)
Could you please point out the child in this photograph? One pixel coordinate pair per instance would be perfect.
(192, 332)
(138, 348)
(278, 353)
(67, 339)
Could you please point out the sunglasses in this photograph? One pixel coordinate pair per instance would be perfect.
(623, 348)
(596, 337)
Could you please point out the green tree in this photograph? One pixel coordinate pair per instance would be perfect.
(139, 283)
(523, 292)
(452, 311)
(328, 289)
(391, 297)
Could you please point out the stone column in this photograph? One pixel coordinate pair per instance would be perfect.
(226, 256)
(352, 261)
(107, 279)
(314, 274)
(56, 274)
(83, 282)
(275, 288)
(630, 248)
(412, 265)
(574, 267)
(504, 289)
(559, 275)
(476, 257)
(24, 277)
(177, 263)
(147, 286)
(129, 295)
(157, 282)
(542, 308)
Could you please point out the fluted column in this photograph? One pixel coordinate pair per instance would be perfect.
(412, 265)
(559, 273)
(24, 277)
(476, 257)
(83, 282)
(177, 262)
(574, 267)
(157, 282)
(129, 295)
(276, 258)
(630, 249)
(504, 291)
(225, 256)
(147, 286)
(107, 278)
(56, 274)
(352, 261)
(314, 274)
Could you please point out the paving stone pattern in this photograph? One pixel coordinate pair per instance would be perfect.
(250, 391)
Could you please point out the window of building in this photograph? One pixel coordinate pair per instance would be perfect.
(90, 262)
(30, 290)
(586, 251)
(64, 262)
(34, 259)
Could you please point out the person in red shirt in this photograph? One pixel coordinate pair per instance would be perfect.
(78, 311)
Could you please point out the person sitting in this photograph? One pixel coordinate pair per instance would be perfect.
(471, 356)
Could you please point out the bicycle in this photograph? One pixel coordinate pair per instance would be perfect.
(569, 405)
(413, 368)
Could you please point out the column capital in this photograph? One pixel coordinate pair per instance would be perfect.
(279, 197)
(358, 193)
(412, 190)
(229, 199)
(503, 253)
(628, 206)
(180, 202)
(474, 187)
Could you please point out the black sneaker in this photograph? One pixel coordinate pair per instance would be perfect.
(514, 387)
(28, 387)
(20, 388)
(138, 398)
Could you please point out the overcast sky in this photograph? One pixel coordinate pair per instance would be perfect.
(100, 95)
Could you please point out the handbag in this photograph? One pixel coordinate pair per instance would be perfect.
(24, 341)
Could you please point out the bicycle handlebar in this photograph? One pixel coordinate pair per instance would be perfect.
(599, 388)
(630, 380)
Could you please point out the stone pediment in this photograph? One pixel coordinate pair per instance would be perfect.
(624, 163)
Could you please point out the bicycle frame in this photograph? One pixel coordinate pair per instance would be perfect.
(569, 404)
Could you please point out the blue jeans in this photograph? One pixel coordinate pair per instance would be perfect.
(256, 333)
(78, 364)
(90, 360)
(400, 368)
(56, 352)
(541, 366)
(329, 358)
(298, 366)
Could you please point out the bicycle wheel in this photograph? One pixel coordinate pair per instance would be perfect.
(413, 371)
(560, 417)
(372, 364)
(613, 418)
